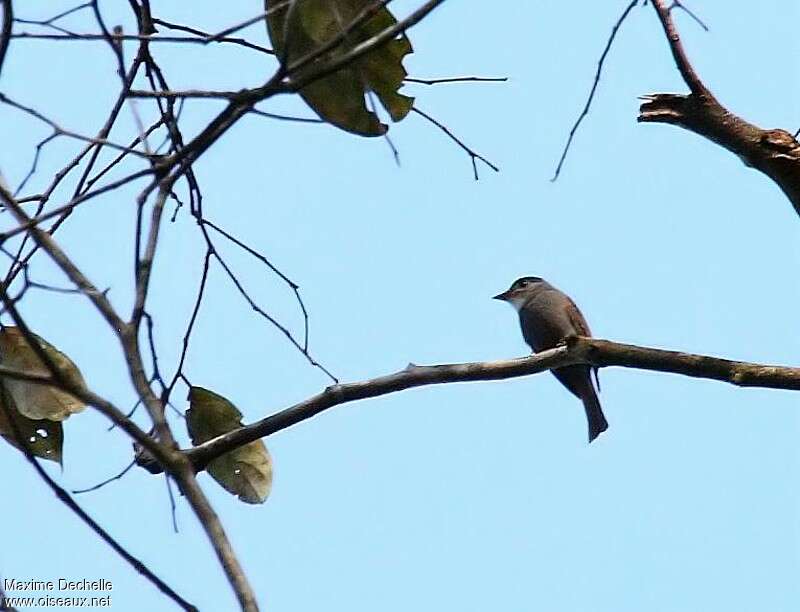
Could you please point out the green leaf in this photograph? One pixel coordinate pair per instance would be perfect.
(246, 471)
(45, 438)
(34, 400)
(338, 98)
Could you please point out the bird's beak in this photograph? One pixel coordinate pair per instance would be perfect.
(501, 296)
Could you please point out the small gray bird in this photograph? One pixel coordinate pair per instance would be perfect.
(548, 317)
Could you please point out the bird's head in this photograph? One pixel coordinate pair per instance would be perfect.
(521, 290)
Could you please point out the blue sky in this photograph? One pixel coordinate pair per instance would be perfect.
(472, 496)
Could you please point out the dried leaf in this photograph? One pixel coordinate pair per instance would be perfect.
(34, 400)
(246, 471)
(45, 438)
(300, 27)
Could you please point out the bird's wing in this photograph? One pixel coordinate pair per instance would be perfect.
(582, 328)
(576, 318)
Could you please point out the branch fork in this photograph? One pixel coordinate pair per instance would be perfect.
(775, 152)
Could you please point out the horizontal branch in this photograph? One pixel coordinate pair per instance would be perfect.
(189, 93)
(600, 353)
(774, 152)
(462, 79)
(148, 38)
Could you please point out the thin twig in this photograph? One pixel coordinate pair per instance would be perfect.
(293, 285)
(595, 83)
(44, 239)
(41, 144)
(64, 132)
(685, 9)
(464, 79)
(57, 16)
(78, 37)
(69, 206)
(274, 322)
(189, 328)
(100, 485)
(205, 37)
(173, 508)
(472, 154)
(61, 174)
(255, 111)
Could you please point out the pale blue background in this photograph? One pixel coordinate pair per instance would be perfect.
(459, 497)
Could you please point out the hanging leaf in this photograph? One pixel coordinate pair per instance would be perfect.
(45, 438)
(35, 400)
(246, 471)
(300, 27)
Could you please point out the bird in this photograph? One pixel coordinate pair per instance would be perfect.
(548, 317)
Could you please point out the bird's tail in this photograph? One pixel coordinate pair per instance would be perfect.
(594, 413)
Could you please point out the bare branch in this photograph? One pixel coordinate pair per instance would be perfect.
(219, 540)
(678, 53)
(168, 461)
(205, 37)
(61, 174)
(70, 503)
(89, 37)
(472, 154)
(189, 328)
(595, 352)
(775, 152)
(56, 17)
(114, 45)
(593, 90)
(187, 93)
(109, 480)
(685, 9)
(5, 30)
(61, 211)
(144, 265)
(65, 132)
(303, 348)
(260, 113)
(173, 462)
(166, 171)
(45, 241)
(39, 146)
(464, 79)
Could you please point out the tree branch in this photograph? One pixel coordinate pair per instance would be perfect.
(70, 503)
(285, 81)
(5, 30)
(774, 152)
(44, 240)
(678, 53)
(595, 83)
(599, 353)
(219, 540)
(175, 463)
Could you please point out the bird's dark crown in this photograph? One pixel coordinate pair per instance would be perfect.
(525, 281)
(521, 288)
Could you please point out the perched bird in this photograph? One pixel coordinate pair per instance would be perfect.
(548, 317)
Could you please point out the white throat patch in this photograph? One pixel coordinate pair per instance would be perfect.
(518, 302)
